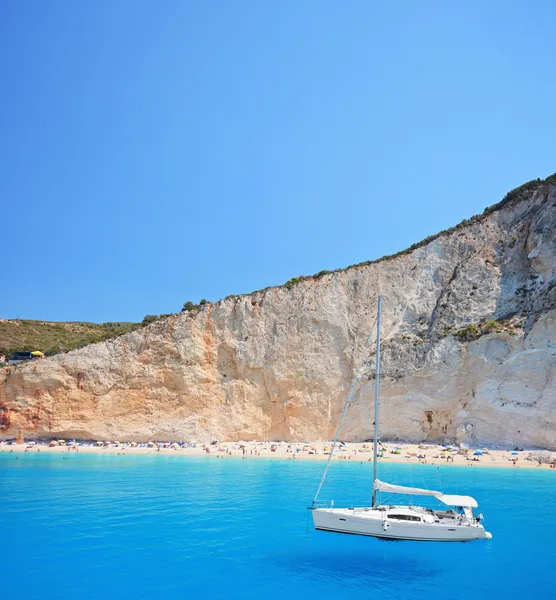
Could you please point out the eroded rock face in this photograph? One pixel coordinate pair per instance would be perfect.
(279, 364)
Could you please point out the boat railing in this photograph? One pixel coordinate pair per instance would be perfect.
(343, 504)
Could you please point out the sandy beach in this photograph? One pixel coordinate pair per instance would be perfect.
(390, 452)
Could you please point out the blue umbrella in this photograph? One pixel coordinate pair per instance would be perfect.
(515, 453)
(478, 453)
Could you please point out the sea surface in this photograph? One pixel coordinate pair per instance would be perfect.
(136, 526)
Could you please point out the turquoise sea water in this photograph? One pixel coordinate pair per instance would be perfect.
(107, 526)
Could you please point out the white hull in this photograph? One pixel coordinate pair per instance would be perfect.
(376, 523)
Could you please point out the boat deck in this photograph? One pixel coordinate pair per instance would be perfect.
(426, 515)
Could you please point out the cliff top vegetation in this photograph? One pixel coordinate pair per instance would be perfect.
(516, 195)
(52, 338)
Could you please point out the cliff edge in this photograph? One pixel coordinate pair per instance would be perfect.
(469, 352)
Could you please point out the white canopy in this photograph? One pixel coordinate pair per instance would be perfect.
(380, 486)
(458, 500)
(448, 499)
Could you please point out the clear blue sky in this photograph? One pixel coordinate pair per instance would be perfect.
(158, 152)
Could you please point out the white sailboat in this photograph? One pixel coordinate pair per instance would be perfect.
(398, 522)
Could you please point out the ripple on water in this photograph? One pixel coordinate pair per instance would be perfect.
(155, 526)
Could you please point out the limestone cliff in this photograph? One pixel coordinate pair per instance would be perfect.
(278, 364)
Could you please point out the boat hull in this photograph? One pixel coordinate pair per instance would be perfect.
(374, 523)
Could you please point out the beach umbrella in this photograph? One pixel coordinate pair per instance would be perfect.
(515, 453)
(478, 453)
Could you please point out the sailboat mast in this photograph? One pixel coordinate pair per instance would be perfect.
(377, 391)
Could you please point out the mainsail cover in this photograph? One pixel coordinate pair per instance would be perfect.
(448, 499)
(380, 486)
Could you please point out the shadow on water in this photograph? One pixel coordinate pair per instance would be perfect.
(372, 566)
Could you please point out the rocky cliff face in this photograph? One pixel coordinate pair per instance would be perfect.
(278, 364)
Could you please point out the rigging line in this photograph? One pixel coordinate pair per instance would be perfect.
(395, 326)
(385, 501)
(348, 402)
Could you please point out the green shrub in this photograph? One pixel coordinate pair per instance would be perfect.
(294, 281)
(467, 333)
(189, 306)
(446, 329)
(149, 319)
(491, 326)
(472, 331)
